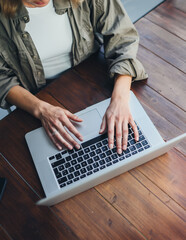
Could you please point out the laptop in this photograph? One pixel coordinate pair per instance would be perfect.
(66, 173)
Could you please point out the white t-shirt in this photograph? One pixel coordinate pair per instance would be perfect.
(52, 36)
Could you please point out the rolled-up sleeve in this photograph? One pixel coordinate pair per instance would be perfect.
(8, 79)
(120, 38)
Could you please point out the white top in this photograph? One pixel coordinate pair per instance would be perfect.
(52, 36)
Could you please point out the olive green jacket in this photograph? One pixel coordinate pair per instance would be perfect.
(93, 22)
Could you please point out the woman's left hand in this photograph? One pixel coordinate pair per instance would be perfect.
(118, 116)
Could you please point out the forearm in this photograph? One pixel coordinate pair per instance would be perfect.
(25, 100)
(121, 91)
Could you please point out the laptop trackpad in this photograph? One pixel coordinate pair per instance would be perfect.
(90, 125)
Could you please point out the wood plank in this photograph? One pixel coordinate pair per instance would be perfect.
(164, 78)
(169, 18)
(4, 234)
(76, 93)
(168, 173)
(91, 217)
(142, 208)
(154, 188)
(179, 4)
(165, 128)
(163, 43)
(20, 215)
(161, 105)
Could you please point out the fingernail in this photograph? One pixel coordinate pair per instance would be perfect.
(119, 151)
(70, 147)
(111, 146)
(125, 147)
(59, 147)
(77, 146)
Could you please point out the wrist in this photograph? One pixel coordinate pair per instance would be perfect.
(39, 108)
(121, 91)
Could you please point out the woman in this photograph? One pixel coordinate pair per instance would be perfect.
(39, 39)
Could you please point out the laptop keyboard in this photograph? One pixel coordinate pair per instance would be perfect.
(94, 155)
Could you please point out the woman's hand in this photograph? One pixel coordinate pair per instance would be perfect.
(56, 121)
(118, 115)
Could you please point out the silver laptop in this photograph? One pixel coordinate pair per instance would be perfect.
(66, 173)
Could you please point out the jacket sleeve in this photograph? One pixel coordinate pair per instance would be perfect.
(8, 79)
(120, 38)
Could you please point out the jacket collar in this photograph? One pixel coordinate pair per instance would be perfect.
(60, 6)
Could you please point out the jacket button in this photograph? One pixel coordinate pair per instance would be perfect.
(26, 19)
(25, 35)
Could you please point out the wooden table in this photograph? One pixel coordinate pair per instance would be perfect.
(147, 202)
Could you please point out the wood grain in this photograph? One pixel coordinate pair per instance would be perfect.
(161, 42)
(169, 18)
(20, 215)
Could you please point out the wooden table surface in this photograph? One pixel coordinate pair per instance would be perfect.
(147, 202)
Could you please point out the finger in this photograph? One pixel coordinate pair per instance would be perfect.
(73, 116)
(119, 137)
(125, 134)
(60, 137)
(67, 123)
(111, 133)
(52, 137)
(103, 125)
(67, 137)
(135, 129)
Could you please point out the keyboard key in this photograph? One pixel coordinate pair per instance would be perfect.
(71, 151)
(71, 170)
(57, 173)
(60, 162)
(87, 150)
(64, 152)
(95, 165)
(98, 151)
(109, 164)
(102, 155)
(126, 151)
(80, 159)
(138, 145)
(78, 166)
(140, 150)
(133, 153)
(84, 164)
(83, 176)
(99, 144)
(61, 168)
(114, 156)
(89, 168)
(80, 153)
(147, 146)
(73, 162)
(65, 172)
(132, 148)
(93, 147)
(76, 179)
(128, 155)
(62, 185)
(51, 158)
(105, 142)
(76, 174)
(67, 165)
(92, 154)
(86, 156)
(102, 167)
(121, 158)
(69, 182)
(68, 158)
(144, 143)
(101, 162)
(74, 155)
(70, 176)
(141, 138)
(90, 161)
(104, 148)
(58, 156)
(132, 142)
(96, 158)
(89, 173)
(108, 153)
(115, 161)
(96, 170)
(83, 170)
(62, 180)
(108, 159)
(94, 140)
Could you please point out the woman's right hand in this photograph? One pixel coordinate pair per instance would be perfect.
(56, 121)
